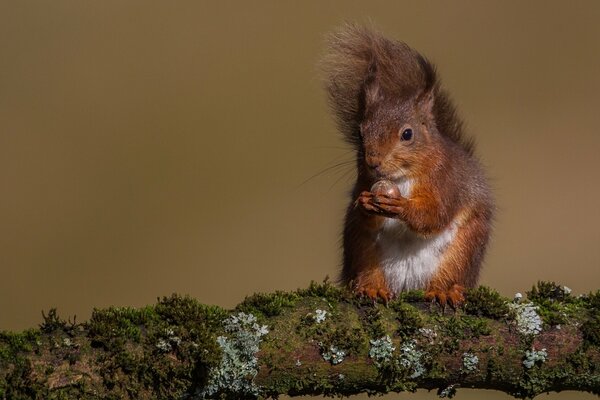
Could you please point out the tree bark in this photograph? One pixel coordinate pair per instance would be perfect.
(320, 340)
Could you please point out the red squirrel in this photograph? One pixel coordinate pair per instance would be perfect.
(432, 232)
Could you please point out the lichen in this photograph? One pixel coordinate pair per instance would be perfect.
(170, 350)
(469, 362)
(532, 357)
(429, 334)
(449, 391)
(320, 316)
(332, 354)
(555, 302)
(517, 297)
(239, 364)
(169, 341)
(381, 350)
(411, 359)
(526, 318)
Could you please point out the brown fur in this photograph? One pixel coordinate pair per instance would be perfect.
(377, 89)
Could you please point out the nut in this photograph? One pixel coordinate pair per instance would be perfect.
(385, 187)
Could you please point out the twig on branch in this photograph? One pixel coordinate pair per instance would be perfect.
(320, 340)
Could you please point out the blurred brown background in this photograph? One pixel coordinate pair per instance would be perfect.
(148, 148)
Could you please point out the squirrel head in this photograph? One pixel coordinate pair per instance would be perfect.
(397, 134)
(388, 102)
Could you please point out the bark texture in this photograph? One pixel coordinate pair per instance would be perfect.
(319, 340)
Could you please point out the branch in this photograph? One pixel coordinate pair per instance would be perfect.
(320, 340)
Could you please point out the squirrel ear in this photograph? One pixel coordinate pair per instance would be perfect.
(371, 92)
(425, 102)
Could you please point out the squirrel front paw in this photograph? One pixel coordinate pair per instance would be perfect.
(454, 296)
(380, 204)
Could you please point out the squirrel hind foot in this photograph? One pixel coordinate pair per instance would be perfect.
(374, 293)
(453, 297)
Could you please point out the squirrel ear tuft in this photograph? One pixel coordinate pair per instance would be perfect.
(371, 90)
(425, 103)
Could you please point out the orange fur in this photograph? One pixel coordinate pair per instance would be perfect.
(378, 89)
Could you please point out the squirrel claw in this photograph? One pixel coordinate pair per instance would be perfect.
(375, 293)
(454, 297)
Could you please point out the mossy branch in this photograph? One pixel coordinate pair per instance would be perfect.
(320, 340)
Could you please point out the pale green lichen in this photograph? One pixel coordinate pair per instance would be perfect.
(533, 356)
(526, 318)
(165, 344)
(411, 359)
(448, 392)
(333, 354)
(518, 297)
(239, 364)
(320, 316)
(428, 334)
(470, 362)
(381, 350)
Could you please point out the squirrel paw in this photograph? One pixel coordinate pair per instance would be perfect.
(374, 293)
(380, 204)
(454, 296)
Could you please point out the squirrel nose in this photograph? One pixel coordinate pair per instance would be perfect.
(374, 162)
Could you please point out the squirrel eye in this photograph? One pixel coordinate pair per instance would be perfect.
(407, 134)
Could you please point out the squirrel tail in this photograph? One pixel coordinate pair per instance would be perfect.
(357, 56)
(360, 61)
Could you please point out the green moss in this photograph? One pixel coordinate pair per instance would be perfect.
(485, 302)
(408, 318)
(189, 313)
(590, 327)
(325, 290)
(162, 348)
(460, 327)
(268, 304)
(591, 330)
(13, 343)
(52, 322)
(554, 302)
(592, 300)
(190, 329)
(170, 349)
(118, 323)
(412, 296)
(548, 292)
(15, 366)
(371, 318)
(580, 361)
(352, 340)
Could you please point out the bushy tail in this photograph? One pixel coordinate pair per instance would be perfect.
(357, 56)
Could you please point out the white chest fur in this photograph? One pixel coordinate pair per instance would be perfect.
(409, 260)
